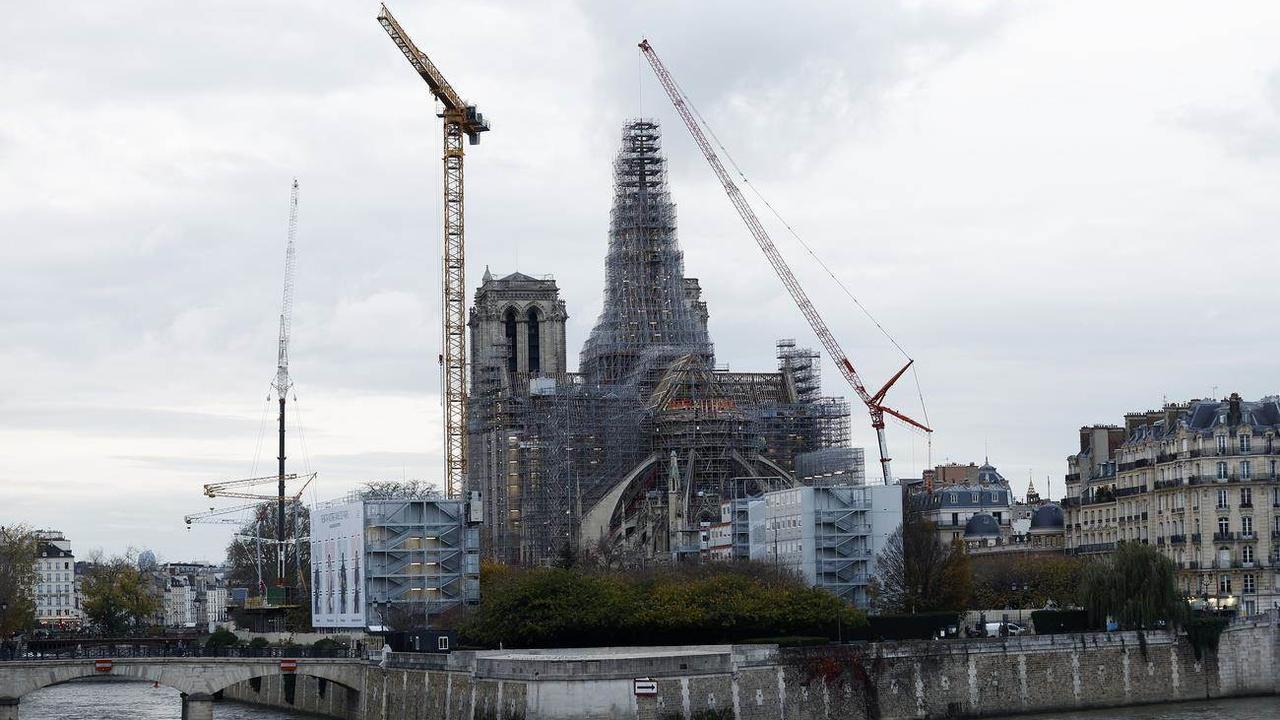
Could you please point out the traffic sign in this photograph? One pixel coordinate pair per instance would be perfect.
(288, 665)
(645, 686)
(102, 665)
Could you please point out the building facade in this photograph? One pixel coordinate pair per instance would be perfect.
(1199, 480)
(379, 562)
(829, 535)
(57, 598)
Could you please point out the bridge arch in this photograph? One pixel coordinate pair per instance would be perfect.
(198, 679)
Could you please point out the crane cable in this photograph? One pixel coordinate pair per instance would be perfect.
(733, 163)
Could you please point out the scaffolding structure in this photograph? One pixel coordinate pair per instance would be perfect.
(650, 429)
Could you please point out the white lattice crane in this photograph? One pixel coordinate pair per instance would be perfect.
(459, 119)
(873, 401)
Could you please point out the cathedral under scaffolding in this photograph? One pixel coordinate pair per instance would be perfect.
(631, 454)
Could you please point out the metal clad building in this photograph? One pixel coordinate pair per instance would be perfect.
(372, 559)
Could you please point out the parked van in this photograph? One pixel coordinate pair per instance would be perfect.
(993, 629)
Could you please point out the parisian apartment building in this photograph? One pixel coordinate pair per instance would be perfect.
(57, 599)
(1198, 480)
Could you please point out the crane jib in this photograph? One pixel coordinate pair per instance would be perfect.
(793, 286)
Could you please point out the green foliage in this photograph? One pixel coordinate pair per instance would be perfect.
(1136, 586)
(18, 550)
(1020, 581)
(259, 643)
(920, 626)
(561, 607)
(1203, 632)
(221, 638)
(916, 572)
(117, 595)
(327, 647)
(1058, 622)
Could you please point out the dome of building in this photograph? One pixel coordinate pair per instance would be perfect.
(981, 526)
(988, 475)
(1047, 519)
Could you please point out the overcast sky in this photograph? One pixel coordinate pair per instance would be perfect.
(1063, 211)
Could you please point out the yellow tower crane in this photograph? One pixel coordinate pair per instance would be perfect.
(459, 119)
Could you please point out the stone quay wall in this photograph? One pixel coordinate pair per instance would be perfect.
(885, 681)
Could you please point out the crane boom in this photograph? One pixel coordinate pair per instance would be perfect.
(459, 119)
(286, 308)
(874, 403)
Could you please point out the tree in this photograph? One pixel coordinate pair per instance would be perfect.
(19, 548)
(117, 595)
(1024, 581)
(916, 573)
(246, 554)
(1136, 586)
(713, 603)
(400, 489)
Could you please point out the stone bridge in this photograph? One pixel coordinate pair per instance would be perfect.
(197, 678)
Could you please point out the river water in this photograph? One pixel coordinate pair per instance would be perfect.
(128, 701)
(141, 701)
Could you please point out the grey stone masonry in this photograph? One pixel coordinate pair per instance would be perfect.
(889, 681)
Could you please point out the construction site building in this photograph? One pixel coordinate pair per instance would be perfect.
(632, 456)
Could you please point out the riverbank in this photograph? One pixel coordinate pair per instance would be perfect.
(885, 681)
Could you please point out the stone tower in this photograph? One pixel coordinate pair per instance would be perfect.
(517, 325)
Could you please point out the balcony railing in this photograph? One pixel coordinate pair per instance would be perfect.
(1224, 536)
(1177, 539)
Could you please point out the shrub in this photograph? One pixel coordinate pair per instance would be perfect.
(221, 638)
(1057, 622)
(327, 647)
(922, 626)
(560, 607)
(259, 643)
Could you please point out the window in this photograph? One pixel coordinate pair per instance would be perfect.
(1245, 471)
(1222, 444)
(1246, 524)
(1247, 553)
(1246, 496)
(1244, 443)
(510, 330)
(1222, 470)
(1224, 525)
(534, 350)
(1249, 585)
(1224, 584)
(1222, 499)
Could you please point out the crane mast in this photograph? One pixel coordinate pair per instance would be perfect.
(874, 402)
(460, 119)
(282, 382)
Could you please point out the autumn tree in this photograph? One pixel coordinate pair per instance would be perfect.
(916, 572)
(399, 490)
(251, 556)
(1136, 586)
(118, 595)
(18, 550)
(1020, 580)
(687, 604)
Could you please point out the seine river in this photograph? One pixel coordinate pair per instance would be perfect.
(128, 701)
(141, 701)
